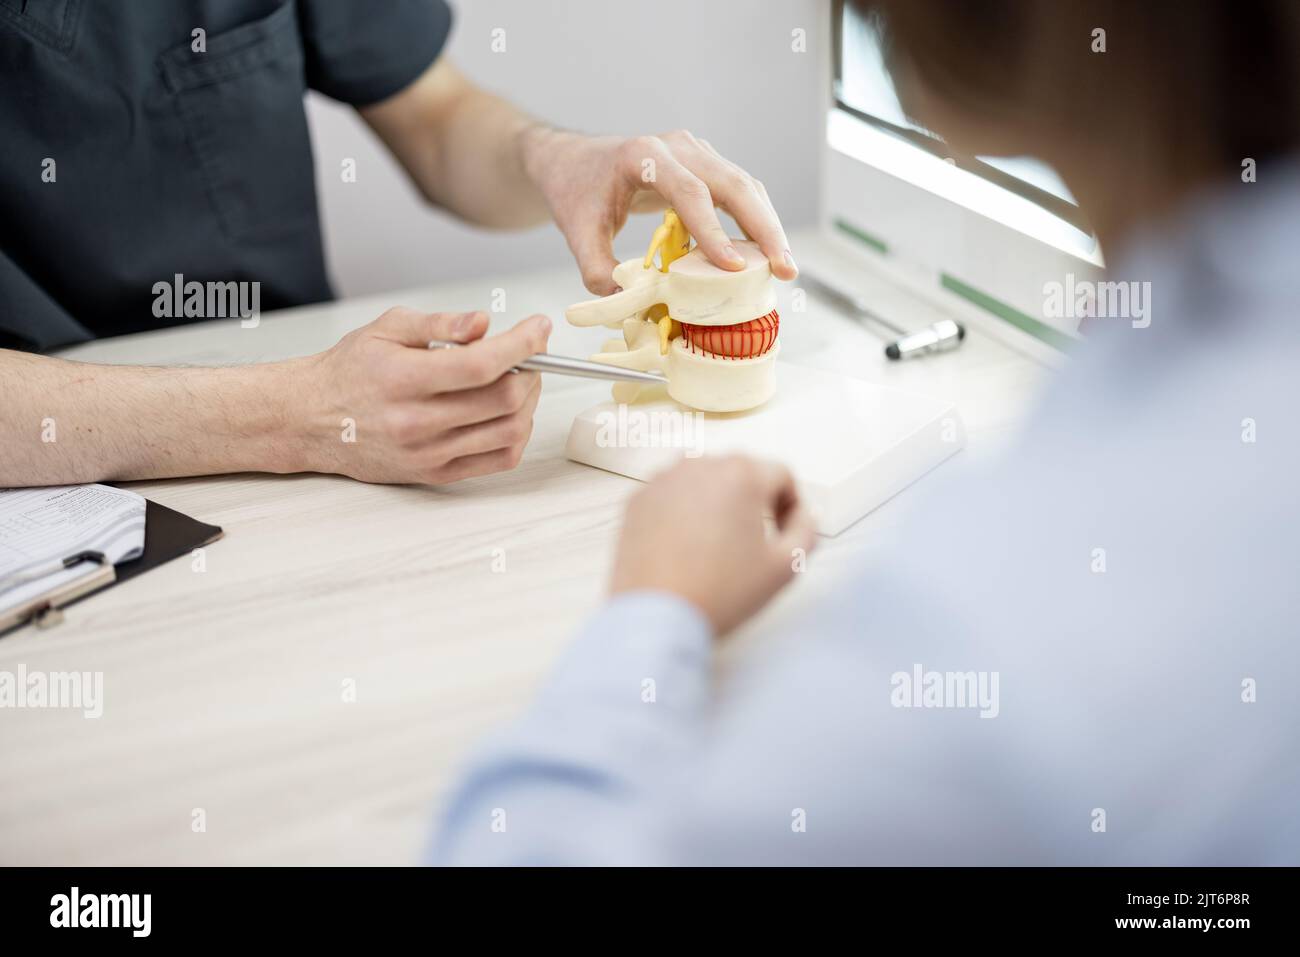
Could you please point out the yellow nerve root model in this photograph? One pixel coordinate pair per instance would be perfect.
(671, 241)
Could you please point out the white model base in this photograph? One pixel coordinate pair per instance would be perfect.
(851, 445)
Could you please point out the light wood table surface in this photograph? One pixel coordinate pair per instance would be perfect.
(224, 689)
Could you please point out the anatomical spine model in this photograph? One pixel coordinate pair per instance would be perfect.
(712, 332)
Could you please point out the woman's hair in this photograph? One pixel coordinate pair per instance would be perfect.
(1195, 85)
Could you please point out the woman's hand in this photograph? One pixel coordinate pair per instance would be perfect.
(592, 183)
(381, 406)
(698, 531)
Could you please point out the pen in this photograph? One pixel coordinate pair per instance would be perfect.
(581, 368)
(941, 336)
(32, 573)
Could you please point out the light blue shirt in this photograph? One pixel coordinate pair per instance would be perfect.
(1129, 578)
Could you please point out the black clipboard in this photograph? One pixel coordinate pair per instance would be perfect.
(168, 535)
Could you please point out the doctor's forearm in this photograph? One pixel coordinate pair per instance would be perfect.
(463, 147)
(65, 422)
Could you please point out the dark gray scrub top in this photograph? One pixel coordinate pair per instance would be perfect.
(127, 157)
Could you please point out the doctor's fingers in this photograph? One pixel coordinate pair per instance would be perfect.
(740, 194)
(651, 164)
(473, 466)
(477, 364)
(506, 396)
(510, 432)
(589, 231)
(416, 427)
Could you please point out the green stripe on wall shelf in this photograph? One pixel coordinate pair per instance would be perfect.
(879, 245)
(1022, 321)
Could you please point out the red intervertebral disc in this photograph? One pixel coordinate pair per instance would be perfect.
(741, 341)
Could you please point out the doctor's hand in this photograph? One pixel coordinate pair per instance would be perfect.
(698, 532)
(380, 406)
(592, 183)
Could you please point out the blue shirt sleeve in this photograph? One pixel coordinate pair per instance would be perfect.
(624, 707)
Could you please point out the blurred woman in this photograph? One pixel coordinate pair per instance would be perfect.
(1085, 654)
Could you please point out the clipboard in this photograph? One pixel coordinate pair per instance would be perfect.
(168, 535)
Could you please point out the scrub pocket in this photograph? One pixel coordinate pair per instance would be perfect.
(241, 103)
(52, 22)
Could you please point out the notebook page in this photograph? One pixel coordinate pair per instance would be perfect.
(42, 525)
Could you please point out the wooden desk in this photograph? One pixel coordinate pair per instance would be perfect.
(224, 689)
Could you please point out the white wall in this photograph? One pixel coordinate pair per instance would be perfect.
(723, 69)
